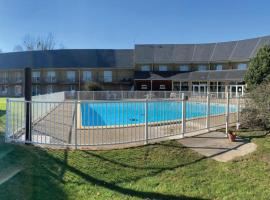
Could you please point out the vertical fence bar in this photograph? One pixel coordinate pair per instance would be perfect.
(75, 125)
(183, 114)
(237, 115)
(208, 112)
(227, 112)
(7, 121)
(146, 121)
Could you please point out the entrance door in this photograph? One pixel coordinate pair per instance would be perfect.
(236, 90)
(202, 88)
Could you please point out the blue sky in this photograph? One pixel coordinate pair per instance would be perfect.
(123, 23)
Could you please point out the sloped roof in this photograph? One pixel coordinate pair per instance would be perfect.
(90, 58)
(224, 75)
(233, 51)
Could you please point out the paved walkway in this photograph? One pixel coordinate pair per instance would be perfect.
(217, 146)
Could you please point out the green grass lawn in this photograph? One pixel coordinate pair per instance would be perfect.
(161, 171)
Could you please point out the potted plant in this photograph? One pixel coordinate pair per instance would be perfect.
(231, 136)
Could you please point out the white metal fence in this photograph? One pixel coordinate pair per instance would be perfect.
(116, 119)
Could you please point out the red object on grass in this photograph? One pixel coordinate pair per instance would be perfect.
(231, 136)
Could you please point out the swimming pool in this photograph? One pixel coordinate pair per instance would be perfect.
(132, 113)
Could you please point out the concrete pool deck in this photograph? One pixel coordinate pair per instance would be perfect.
(216, 145)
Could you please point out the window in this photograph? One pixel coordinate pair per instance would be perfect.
(202, 68)
(176, 86)
(36, 76)
(162, 87)
(145, 68)
(3, 89)
(49, 89)
(184, 86)
(4, 77)
(51, 76)
(219, 67)
(143, 87)
(18, 77)
(242, 66)
(71, 76)
(87, 76)
(183, 68)
(36, 90)
(72, 88)
(18, 90)
(162, 68)
(107, 76)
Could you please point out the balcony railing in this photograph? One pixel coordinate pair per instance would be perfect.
(3, 80)
(16, 80)
(51, 79)
(35, 79)
(71, 80)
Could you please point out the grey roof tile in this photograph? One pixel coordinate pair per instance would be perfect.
(183, 53)
(71, 58)
(223, 51)
(261, 42)
(163, 53)
(244, 49)
(241, 50)
(144, 54)
(203, 52)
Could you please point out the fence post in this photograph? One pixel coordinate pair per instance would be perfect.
(237, 116)
(146, 121)
(184, 98)
(208, 112)
(75, 125)
(28, 97)
(227, 112)
(7, 121)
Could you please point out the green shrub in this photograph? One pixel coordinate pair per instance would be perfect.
(92, 86)
(259, 68)
(257, 108)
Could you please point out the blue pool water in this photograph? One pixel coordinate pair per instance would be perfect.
(130, 113)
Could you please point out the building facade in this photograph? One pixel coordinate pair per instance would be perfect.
(214, 67)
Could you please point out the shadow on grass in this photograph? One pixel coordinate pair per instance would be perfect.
(22, 176)
(39, 179)
(117, 188)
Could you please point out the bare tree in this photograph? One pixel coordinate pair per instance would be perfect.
(31, 43)
(47, 43)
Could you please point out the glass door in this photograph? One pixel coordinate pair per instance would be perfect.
(236, 90)
(200, 88)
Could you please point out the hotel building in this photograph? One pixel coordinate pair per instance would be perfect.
(169, 67)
